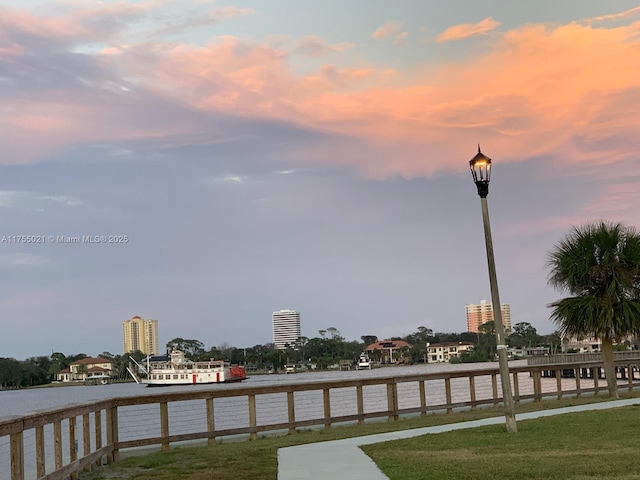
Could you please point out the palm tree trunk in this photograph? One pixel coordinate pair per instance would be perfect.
(609, 367)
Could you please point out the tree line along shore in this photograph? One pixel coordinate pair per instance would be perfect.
(323, 351)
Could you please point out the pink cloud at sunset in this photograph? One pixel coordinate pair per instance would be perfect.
(632, 12)
(392, 29)
(389, 29)
(466, 30)
(533, 91)
(73, 22)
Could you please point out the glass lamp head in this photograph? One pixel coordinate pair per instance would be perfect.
(481, 170)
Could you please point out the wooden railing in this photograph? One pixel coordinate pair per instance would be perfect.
(630, 356)
(105, 428)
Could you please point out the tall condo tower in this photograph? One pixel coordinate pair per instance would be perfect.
(140, 334)
(286, 328)
(483, 313)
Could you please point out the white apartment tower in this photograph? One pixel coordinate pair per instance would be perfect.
(286, 328)
(140, 334)
(477, 314)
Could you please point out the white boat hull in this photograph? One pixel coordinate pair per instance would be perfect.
(165, 378)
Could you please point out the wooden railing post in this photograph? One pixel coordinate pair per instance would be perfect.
(472, 391)
(516, 387)
(253, 417)
(494, 388)
(360, 404)
(630, 376)
(97, 419)
(392, 400)
(447, 394)
(326, 401)
(86, 437)
(595, 373)
(537, 387)
(112, 433)
(40, 452)
(164, 426)
(291, 412)
(578, 372)
(16, 442)
(57, 444)
(73, 452)
(211, 421)
(559, 383)
(423, 399)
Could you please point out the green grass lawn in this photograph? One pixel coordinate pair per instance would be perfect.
(257, 459)
(586, 445)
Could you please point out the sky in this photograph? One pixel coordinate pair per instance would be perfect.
(230, 159)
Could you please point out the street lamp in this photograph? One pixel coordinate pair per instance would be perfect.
(481, 171)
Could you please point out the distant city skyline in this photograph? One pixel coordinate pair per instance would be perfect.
(206, 163)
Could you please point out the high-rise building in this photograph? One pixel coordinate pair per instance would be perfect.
(477, 314)
(286, 328)
(140, 334)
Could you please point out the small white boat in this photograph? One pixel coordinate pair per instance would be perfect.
(175, 369)
(98, 379)
(364, 362)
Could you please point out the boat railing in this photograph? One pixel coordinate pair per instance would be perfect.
(58, 443)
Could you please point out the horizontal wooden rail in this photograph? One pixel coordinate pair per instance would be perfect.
(68, 440)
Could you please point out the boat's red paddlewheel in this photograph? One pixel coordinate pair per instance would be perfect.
(237, 373)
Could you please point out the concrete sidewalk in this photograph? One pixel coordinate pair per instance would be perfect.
(343, 459)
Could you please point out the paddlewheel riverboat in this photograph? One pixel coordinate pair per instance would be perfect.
(175, 369)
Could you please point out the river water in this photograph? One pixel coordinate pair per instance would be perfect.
(21, 402)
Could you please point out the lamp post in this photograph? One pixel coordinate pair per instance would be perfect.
(481, 171)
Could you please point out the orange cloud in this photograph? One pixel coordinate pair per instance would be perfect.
(314, 46)
(567, 91)
(392, 28)
(632, 12)
(86, 22)
(389, 29)
(466, 30)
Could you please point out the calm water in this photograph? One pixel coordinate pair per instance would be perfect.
(20, 402)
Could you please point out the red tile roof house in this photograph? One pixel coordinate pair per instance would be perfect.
(388, 351)
(79, 370)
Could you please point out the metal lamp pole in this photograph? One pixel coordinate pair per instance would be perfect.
(481, 171)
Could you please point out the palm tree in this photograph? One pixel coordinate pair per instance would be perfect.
(599, 265)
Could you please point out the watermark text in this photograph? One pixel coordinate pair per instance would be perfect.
(63, 239)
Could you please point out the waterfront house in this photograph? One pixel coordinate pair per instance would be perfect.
(442, 352)
(591, 344)
(388, 351)
(79, 370)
